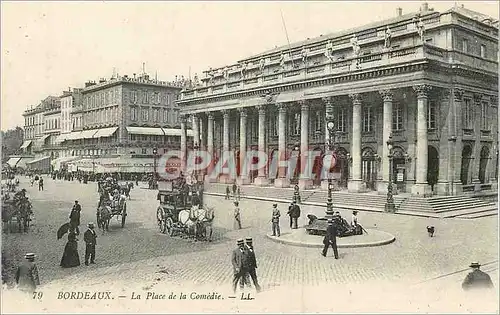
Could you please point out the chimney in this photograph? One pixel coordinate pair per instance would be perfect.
(134, 75)
(399, 11)
(425, 7)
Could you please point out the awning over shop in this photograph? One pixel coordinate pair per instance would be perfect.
(62, 137)
(177, 132)
(105, 132)
(13, 161)
(26, 144)
(145, 131)
(41, 141)
(38, 160)
(41, 164)
(57, 163)
(24, 160)
(88, 134)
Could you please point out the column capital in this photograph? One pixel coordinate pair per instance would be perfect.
(356, 98)
(225, 113)
(210, 115)
(387, 95)
(422, 90)
(183, 118)
(458, 94)
(304, 105)
(477, 97)
(281, 107)
(493, 100)
(243, 112)
(261, 109)
(446, 93)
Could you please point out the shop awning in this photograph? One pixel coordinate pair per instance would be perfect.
(13, 161)
(57, 163)
(41, 141)
(89, 134)
(62, 137)
(105, 132)
(145, 131)
(26, 144)
(38, 160)
(177, 132)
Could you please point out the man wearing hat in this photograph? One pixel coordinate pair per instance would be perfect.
(330, 239)
(90, 238)
(276, 220)
(74, 217)
(477, 279)
(27, 274)
(237, 216)
(252, 262)
(238, 260)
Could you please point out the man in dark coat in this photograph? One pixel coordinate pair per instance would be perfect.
(75, 217)
(252, 262)
(290, 209)
(40, 183)
(330, 239)
(477, 279)
(90, 238)
(238, 259)
(27, 274)
(295, 214)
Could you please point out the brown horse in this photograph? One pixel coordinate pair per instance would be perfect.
(103, 217)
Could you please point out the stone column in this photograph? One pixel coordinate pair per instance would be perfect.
(476, 152)
(455, 143)
(210, 141)
(421, 186)
(305, 182)
(262, 180)
(492, 163)
(183, 142)
(196, 130)
(225, 145)
(328, 113)
(445, 151)
(387, 97)
(243, 179)
(282, 180)
(355, 184)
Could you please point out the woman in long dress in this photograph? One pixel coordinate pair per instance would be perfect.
(70, 256)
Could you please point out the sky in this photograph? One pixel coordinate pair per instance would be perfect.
(48, 47)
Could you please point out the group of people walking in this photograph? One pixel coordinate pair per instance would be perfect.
(244, 264)
(70, 257)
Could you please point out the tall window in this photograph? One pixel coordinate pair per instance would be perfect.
(145, 113)
(484, 115)
(273, 125)
(465, 45)
(483, 51)
(133, 113)
(468, 114)
(368, 119)
(397, 116)
(318, 121)
(342, 119)
(432, 115)
(134, 97)
(295, 124)
(146, 97)
(165, 116)
(167, 99)
(156, 115)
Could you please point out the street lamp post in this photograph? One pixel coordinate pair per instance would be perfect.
(330, 125)
(155, 173)
(196, 147)
(389, 206)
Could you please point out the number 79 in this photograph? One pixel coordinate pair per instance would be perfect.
(37, 295)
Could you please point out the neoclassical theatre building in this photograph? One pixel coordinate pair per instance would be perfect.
(428, 79)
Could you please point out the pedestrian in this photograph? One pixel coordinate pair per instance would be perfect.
(477, 279)
(252, 263)
(330, 239)
(276, 220)
(295, 214)
(228, 192)
(238, 193)
(234, 190)
(27, 274)
(290, 208)
(70, 256)
(237, 216)
(237, 259)
(40, 184)
(90, 238)
(75, 217)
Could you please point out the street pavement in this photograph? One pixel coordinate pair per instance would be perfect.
(139, 254)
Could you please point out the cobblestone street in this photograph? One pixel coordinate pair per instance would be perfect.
(138, 253)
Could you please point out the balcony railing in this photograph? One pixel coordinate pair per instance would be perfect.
(345, 66)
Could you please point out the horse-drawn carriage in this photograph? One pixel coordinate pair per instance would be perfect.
(181, 211)
(111, 206)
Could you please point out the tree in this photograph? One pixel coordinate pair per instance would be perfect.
(12, 140)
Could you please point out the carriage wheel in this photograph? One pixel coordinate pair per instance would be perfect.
(169, 226)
